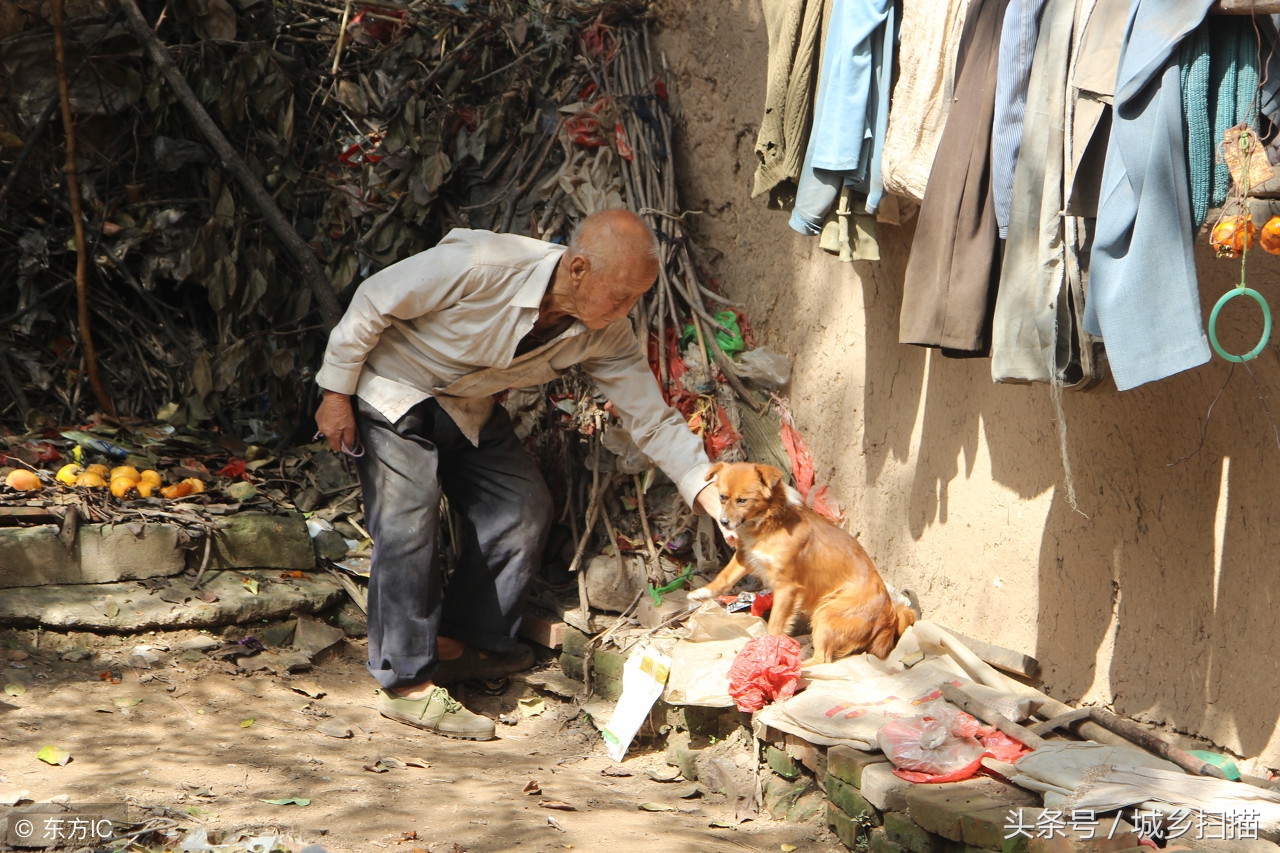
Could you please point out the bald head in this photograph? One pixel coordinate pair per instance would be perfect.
(611, 261)
(615, 240)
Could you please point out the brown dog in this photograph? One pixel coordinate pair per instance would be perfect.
(812, 565)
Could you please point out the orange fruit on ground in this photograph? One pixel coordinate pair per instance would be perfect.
(1269, 236)
(91, 480)
(125, 471)
(177, 490)
(196, 484)
(98, 468)
(150, 476)
(123, 487)
(67, 474)
(145, 488)
(22, 480)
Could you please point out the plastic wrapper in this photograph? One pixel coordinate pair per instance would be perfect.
(767, 669)
(943, 745)
(763, 366)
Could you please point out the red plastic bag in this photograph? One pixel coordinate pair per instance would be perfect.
(766, 669)
(943, 745)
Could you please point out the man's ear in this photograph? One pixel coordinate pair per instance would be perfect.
(714, 471)
(578, 265)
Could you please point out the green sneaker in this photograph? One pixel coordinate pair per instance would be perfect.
(437, 712)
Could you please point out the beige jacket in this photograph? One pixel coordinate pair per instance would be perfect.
(445, 323)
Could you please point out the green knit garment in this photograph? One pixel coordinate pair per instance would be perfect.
(1219, 70)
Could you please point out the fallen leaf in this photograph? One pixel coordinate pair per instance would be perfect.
(208, 597)
(307, 688)
(553, 822)
(14, 689)
(616, 770)
(111, 675)
(54, 755)
(293, 574)
(17, 654)
(244, 724)
(664, 774)
(125, 701)
(787, 848)
(558, 805)
(377, 767)
(532, 787)
(289, 801)
(334, 728)
(722, 824)
(251, 585)
(657, 807)
(531, 706)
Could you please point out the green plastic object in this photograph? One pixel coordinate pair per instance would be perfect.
(1266, 324)
(656, 593)
(1222, 762)
(730, 342)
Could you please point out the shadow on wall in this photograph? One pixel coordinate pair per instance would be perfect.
(1158, 593)
(1157, 589)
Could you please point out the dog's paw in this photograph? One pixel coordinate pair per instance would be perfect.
(702, 594)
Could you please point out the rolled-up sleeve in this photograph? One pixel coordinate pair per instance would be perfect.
(622, 374)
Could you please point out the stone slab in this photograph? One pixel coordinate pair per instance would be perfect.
(850, 801)
(938, 808)
(129, 608)
(35, 556)
(847, 764)
(882, 789)
(262, 541)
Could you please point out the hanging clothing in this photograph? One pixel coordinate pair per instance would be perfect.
(1017, 48)
(930, 38)
(1219, 85)
(793, 27)
(1143, 296)
(850, 114)
(1033, 322)
(1093, 86)
(949, 284)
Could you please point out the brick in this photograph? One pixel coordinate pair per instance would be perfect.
(848, 830)
(938, 808)
(257, 540)
(848, 799)
(880, 842)
(573, 666)
(884, 790)
(111, 553)
(809, 755)
(718, 723)
(781, 795)
(808, 807)
(781, 763)
(910, 836)
(680, 753)
(847, 763)
(35, 556)
(575, 642)
(1071, 839)
(986, 829)
(545, 632)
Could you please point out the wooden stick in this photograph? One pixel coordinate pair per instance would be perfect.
(301, 253)
(77, 216)
(990, 715)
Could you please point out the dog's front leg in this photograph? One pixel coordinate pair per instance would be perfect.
(733, 571)
(785, 601)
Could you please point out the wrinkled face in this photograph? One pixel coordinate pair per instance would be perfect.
(746, 491)
(601, 298)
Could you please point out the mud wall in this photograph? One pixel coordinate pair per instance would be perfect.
(1156, 592)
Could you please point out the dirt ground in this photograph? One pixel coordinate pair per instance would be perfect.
(205, 747)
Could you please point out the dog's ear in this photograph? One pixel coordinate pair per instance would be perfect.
(714, 471)
(769, 476)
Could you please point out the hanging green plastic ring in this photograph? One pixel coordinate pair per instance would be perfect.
(1266, 324)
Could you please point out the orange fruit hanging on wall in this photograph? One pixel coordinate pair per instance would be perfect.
(1232, 235)
(1269, 237)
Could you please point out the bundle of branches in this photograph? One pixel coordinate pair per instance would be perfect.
(369, 129)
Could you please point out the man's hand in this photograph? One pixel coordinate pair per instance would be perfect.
(336, 421)
(709, 500)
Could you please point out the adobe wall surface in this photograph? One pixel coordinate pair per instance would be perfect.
(1156, 593)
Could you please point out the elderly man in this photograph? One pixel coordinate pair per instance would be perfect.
(410, 373)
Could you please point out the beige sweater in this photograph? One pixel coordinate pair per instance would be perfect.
(794, 28)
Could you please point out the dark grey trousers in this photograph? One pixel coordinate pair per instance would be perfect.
(503, 511)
